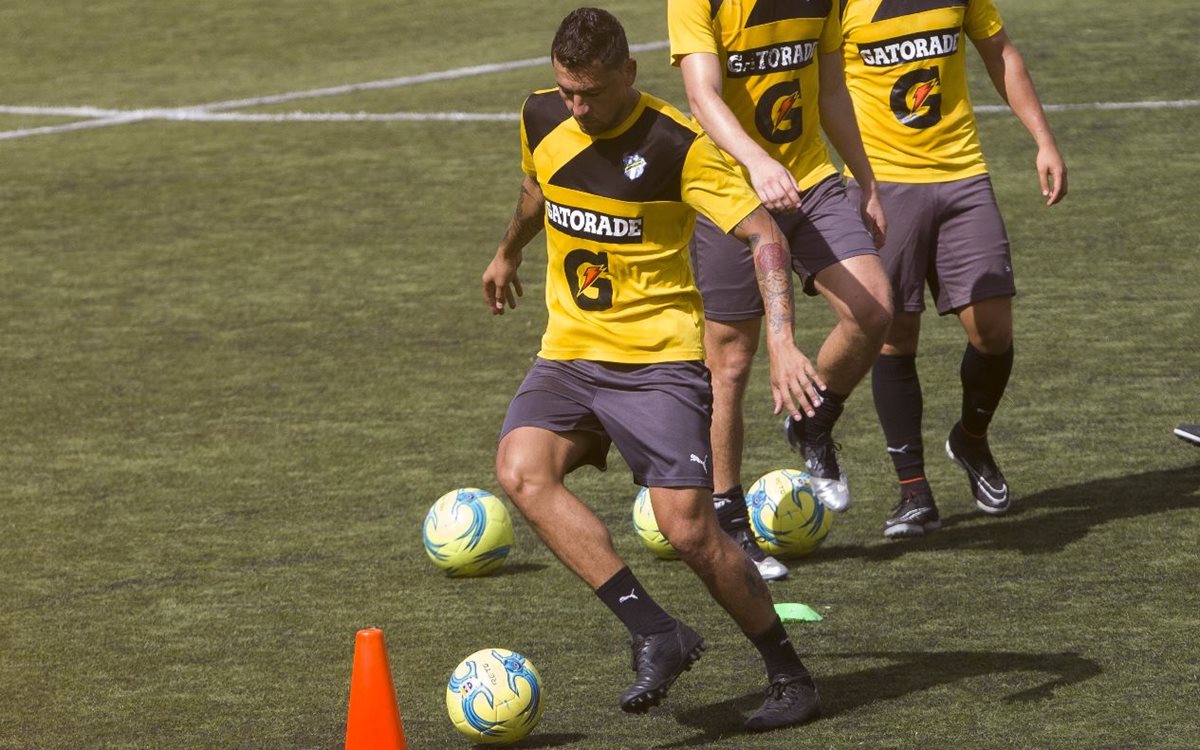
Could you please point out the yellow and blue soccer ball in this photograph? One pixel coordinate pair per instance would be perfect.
(647, 528)
(787, 519)
(494, 697)
(468, 532)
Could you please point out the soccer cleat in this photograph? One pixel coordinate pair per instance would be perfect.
(768, 567)
(820, 456)
(658, 659)
(915, 514)
(791, 699)
(975, 458)
(1189, 432)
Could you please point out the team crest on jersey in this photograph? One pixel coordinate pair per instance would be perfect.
(634, 164)
(917, 98)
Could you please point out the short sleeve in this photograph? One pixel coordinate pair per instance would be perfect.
(982, 20)
(691, 29)
(527, 165)
(714, 187)
(831, 32)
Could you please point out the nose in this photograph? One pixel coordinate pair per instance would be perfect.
(579, 107)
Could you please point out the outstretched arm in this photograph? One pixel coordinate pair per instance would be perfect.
(841, 127)
(1011, 78)
(501, 284)
(702, 80)
(794, 380)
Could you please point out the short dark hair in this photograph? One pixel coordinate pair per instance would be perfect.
(587, 36)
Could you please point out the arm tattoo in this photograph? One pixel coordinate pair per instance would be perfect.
(773, 268)
(527, 219)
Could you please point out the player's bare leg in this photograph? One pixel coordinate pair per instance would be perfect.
(730, 348)
(858, 292)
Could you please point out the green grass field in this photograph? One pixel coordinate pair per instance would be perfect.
(241, 359)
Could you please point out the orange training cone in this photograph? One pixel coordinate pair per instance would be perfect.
(373, 722)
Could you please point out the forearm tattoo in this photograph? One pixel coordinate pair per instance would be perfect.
(773, 268)
(527, 219)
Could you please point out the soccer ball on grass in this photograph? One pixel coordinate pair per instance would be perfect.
(787, 520)
(468, 532)
(494, 697)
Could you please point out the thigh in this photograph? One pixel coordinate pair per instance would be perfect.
(974, 261)
(907, 252)
(659, 417)
(827, 230)
(724, 270)
(556, 397)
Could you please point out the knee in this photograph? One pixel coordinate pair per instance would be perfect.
(519, 479)
(873, 315)
(693, 541)
(991, 337)
(730, 362)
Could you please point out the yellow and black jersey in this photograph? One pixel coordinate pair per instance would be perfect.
(768, 52)
(906, 71)
(620, 208)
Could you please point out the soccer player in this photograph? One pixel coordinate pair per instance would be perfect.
(906, 71)
(616, 176)
(763, 79)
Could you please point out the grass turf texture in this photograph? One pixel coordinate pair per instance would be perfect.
(241, 360)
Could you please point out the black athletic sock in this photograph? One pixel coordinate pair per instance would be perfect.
(731, 510)
(899, 404)
(826, 415)
(778, 653)
(984, 378)
(624, 595)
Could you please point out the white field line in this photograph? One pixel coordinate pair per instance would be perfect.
(218, 111)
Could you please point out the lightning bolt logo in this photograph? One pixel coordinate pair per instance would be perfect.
(785, 108)
(920, 94)
(590, 274)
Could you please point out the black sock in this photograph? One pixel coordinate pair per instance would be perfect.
(731, 510)
(826, 415)
(624, 595)
(899, 403)
(984, 378)
(777, 651)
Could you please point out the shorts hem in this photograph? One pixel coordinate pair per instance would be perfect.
(675, 483)
(979, 296)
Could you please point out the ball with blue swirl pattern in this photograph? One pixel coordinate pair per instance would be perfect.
(494, 697)
(468, 532)
(787, 520)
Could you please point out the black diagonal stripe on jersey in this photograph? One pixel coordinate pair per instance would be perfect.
(842, 9)
(896, 8)
(770, 11)
(599, 169)
(542, 113)
(714, 6)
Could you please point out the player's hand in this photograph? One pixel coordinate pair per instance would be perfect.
(775, 186)
(871, 210)
(501, 285)
(795, 384)
(1052, 173)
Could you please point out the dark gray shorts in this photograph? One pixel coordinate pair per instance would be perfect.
(826, 230)
(949, 235)
(657, 415)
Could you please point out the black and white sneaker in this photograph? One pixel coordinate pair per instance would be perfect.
(915, 514)
(820, 457)
(975, 458)
(659, 659)
(791, 700)
(1189, 432)
(768, 567)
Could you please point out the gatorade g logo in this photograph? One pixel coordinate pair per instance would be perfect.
(585, 276)
(917, 98)
(777, 115)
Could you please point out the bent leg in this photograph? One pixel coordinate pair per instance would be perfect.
(531, 464)
(686, 518)
(858, 291)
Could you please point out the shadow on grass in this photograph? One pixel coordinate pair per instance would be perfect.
(1045, 522)
(908, 672)
(517, 569)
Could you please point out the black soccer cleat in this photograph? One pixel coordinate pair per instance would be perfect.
(1189, 432)
(819, 452)
(987, 483)
(768, 567)
(791, 700)
(915, 514)
(658, 659)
